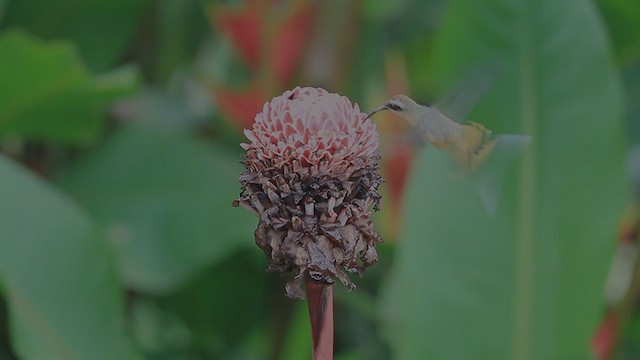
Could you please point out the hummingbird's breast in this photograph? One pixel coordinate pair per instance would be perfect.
(437, 128)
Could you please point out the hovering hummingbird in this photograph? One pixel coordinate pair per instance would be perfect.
(475, 148)
(470, 144)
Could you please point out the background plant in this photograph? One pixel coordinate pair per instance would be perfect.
(119, 129)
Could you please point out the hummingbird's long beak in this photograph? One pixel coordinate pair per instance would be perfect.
(383, 107)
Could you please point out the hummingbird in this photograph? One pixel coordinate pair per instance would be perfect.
(475, 149)
(470, 144)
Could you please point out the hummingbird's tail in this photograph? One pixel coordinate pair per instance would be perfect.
(487, 158)
(473, 146)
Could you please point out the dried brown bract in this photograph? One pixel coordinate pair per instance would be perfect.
(312, 179)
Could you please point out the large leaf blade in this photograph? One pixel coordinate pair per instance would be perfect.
(525, 284)
(46, 93)
(63, 294)
(101, 30)
(165, 198)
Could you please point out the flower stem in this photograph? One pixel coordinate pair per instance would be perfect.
(320, 300)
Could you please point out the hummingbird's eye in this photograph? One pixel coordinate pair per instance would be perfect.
(394, 107)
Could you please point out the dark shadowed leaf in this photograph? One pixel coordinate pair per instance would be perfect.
(226, 301)
(47, 94)
(3, 5)
(632, 94)
(298, 343)
(526, 283)
(181, 27)
(621, 18)
(165, 199)
(101, 29)
(64, 298)
(159, 334)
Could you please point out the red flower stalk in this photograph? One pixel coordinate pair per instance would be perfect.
(241, 106)
(271, 41)
(312, 178)
(256, 27)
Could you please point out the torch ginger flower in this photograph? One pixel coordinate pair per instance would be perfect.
(312, 178)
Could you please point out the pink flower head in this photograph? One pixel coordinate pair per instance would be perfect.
(312, 177)
(310, 131)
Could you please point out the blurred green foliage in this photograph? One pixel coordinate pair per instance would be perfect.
(63, 294)
(119, 130)
(48, 94)
(101, 30)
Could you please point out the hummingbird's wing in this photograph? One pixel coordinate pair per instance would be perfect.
(458, 103)
(498, 152)
(508, 148)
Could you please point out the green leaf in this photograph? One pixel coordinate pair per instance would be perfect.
(181, 27)
(526, 283)
(47, 94)
(623, 21)
(165, 198)
(632, 93)
(3, 5)
(298, 343)
(225, 302)
(159, 333)
(102, 30)
(383, 10)
(64, 298)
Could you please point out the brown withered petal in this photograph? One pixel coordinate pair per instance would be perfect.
(312, 179)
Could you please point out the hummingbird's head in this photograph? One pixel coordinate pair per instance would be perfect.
(401, 105)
